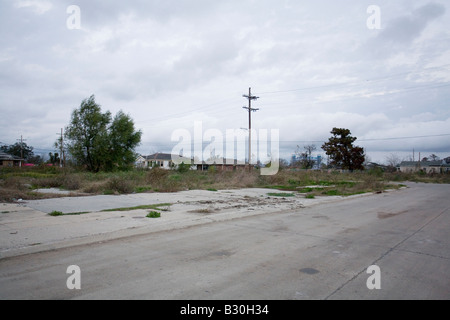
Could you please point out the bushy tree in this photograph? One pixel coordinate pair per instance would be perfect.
(97, 141)
(342, 152)
(21, 150)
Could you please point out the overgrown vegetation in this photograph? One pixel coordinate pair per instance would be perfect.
(20, 183)
(153, 214)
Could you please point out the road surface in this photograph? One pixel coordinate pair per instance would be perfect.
(317, 252)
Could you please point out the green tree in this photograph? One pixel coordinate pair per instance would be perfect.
(98, 142)
(54, 158)
(342, 152)
(122, 139)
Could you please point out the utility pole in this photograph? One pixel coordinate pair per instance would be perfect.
(21, 145)
(250, 110)
(21, 148)
(61, 148)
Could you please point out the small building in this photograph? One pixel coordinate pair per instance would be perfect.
(7, 160)
(374, 165)
(220, 165)
(437, 166)
(171, 161)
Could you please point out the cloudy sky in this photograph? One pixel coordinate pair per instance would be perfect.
(314, 65)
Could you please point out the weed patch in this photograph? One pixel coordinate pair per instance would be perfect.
(153, 214)
(56, 213)
(18, 183)
(160, 206)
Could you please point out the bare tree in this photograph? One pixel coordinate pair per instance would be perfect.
(393, 160)
(305, 157)
(433, 157)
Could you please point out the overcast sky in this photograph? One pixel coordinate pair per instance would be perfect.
(314, 64)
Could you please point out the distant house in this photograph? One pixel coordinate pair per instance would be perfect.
(438, 166)
(374, 165)
(7, 160)
(220, 165)
(169, 161)
(161, 160)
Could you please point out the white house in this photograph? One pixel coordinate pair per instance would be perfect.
(160, 160)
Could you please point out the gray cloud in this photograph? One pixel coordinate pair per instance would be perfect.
(169, 63)
(406, 29)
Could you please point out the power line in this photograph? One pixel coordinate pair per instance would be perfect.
(405, 138)
(374, 139)
(212, 109)
(353, 83)
(212, 106)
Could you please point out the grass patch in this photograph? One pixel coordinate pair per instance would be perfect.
(59, 213)
(76, 213)
(310, 196)
(211, 189)
(333, 192)
(153, 214)
(282, 188)
(56, 213)
(142, 189)
(282, 194)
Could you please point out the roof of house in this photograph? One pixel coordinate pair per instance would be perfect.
(159, 156)
(374, 164)
(436, 163)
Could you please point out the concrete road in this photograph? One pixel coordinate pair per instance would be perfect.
(317, 252)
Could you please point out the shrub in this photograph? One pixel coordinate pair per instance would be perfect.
(156, 176)
(182, 168)
(72, 182)
(331, 192)
(377, 172)
(120, 185)
(153, 214)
